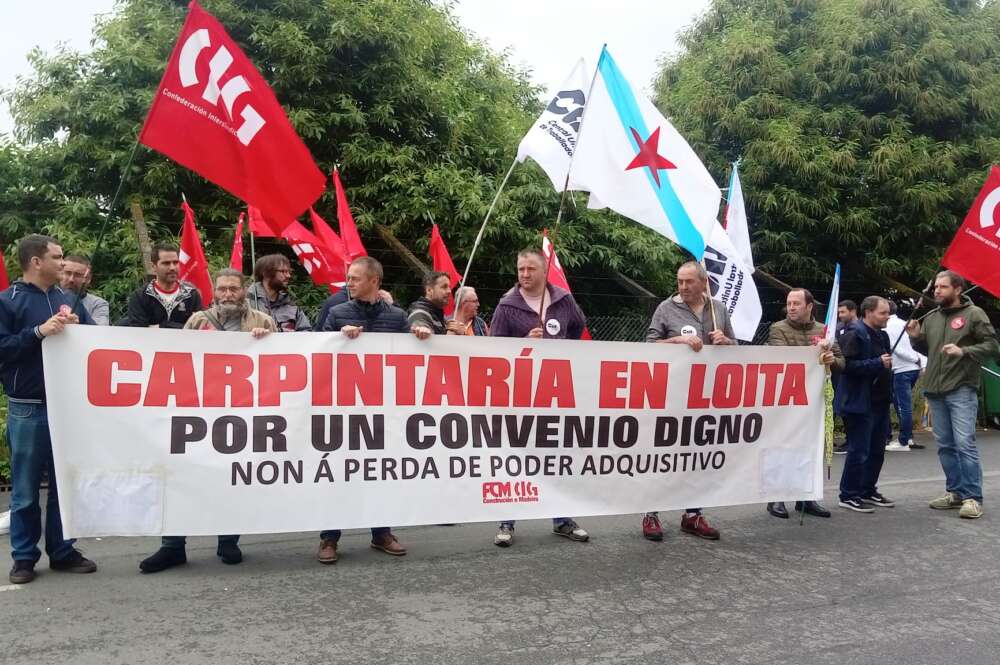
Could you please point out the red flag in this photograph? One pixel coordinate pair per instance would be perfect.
(556, 274)
(974, 252)
(194, 267)
(215, 114)
(259, 225)
(348, 229)
(443, 263)
(312, 255)
(4, 279)
(236, 258)
(331, 241)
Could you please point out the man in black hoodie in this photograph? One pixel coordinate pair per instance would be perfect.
(31, 309)
(164, 301)
(428, 311)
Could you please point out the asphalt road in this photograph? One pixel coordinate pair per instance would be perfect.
(907, 586)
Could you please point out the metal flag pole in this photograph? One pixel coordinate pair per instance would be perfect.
(562, 197)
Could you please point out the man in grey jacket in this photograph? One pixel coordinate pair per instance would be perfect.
(685, 318)
(75, 278)
(269, 293)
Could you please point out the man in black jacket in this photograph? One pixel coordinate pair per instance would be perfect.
(428, 311)
(164, 301)
(366, 311)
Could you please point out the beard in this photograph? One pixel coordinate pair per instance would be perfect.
(232, 310)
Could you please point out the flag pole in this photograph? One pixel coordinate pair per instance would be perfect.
(562, 197)
(479, 236)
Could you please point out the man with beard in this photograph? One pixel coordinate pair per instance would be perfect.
(428, 311)
(957, 338)
(75, 278)
(164, 301)
(231, 313)
(269, 293)
(800, 329)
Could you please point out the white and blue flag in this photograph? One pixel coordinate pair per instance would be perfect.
(632, 160)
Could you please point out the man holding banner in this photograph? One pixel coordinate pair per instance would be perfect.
(685, 319)
(957, 338)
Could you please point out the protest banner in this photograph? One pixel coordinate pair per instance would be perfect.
(197, 433)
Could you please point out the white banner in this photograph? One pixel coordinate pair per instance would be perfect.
(199, 433)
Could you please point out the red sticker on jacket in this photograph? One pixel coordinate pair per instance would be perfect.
(957, 323)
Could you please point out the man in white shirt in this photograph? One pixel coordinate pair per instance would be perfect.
(906, 367)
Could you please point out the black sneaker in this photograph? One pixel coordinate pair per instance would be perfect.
(916, 446)
(22, 572)
(229, 552)
(855, 505)
(74, 563)
(877, 499)
(163, 558)
(840, 449)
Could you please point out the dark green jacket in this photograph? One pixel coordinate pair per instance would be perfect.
(965, 326)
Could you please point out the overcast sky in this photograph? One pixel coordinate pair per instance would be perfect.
(543, 36)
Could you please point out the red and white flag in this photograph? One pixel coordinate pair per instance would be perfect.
(236, 258)
(337, 256)
(974, 253)
(557, 275)
(348, 229)
(194, 266)
(443, 263)
(215, 114)
(313, 256)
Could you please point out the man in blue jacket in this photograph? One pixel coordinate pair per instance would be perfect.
(366, 311)
(30, 310)
(863, 399)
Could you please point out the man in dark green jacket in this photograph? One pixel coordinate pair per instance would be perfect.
(957, 338)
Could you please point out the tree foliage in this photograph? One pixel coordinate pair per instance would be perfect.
(865, 126)
(422, 119)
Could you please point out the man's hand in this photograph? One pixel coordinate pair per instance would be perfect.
(718, 338)
(953, 350)
(456, 327)
(385, 296)
(257, 333)
(351, 332)
(826, 358)
(53, 326)
(913, 328)
(421, 332)
(536, 333)
(886, 360)
(693, 341)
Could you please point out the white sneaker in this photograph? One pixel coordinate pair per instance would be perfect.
(4, 523)
(504, 537)
(897, 448)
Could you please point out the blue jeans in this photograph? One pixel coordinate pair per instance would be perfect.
(954, 416)
(902, 397)
(30, 456)
(865, 451)
(334, 534)
(178, 542)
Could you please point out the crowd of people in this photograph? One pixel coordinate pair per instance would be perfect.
(875, 360)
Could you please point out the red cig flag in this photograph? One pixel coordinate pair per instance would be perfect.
(215, 114)
(556, 274)
(236, 258)
(194, 267)
(974, 252)
(443, 263)
(4, 279)
(348, 229)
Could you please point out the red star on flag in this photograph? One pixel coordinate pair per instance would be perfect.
(648, 156)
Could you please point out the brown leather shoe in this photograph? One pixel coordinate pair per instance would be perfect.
(327, 551)
(389, 545)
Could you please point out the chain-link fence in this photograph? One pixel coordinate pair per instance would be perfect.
(633, 327)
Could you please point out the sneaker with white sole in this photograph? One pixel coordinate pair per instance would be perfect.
(570, 529)
(947, 502)
(877, 499)
(505, 536)
(971, 509)
(855, 505)
(897, 447)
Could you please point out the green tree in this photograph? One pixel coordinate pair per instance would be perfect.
(865, 126)
(422, 119)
